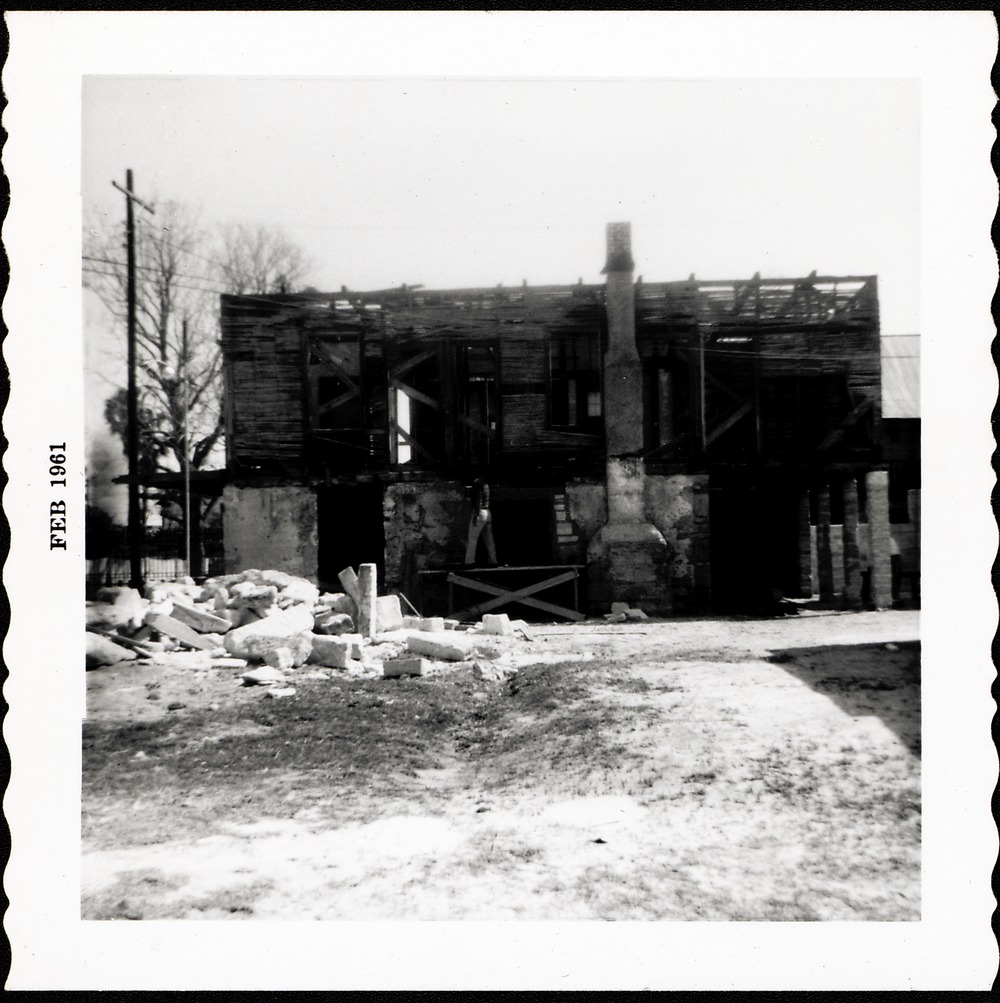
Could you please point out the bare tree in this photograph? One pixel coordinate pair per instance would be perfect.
(257, 260)
(180, 272)
(176, 333)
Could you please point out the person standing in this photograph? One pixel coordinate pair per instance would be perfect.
(480, 524)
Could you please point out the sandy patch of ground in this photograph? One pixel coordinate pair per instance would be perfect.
(691, 769)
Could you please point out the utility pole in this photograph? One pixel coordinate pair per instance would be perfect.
(187, 453)
(135, 523)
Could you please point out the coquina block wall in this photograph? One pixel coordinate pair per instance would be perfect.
(271, 527)
(677, 505)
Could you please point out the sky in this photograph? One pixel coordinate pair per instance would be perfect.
(455, 182)
(464, 182)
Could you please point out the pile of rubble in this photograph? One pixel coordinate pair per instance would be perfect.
(268, 623)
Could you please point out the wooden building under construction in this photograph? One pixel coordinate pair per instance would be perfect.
(688, 446)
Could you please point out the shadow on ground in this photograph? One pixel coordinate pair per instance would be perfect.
(864, 680)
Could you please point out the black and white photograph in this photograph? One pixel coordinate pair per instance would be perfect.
(500, 500)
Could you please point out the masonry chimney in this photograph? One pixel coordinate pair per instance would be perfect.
(628, 555)
(622, 368)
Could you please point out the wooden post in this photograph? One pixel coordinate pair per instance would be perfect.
(805, 547)
(852, 561)
(665, 405)
(392, 417)
(448, 391)
(824, 557)
(699, 408)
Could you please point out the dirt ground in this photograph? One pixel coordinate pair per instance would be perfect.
(711, 769)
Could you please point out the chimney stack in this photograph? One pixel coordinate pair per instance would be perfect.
(628, 555)
(622, 368)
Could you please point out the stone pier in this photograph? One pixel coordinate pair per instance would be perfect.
(879, 541)
(824, 555)
(852, 556)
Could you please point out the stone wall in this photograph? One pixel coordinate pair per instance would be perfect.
(587, 506)
(270, 527)
(677, 505)
(427, 518)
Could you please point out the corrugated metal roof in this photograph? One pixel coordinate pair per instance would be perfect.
(901, 376)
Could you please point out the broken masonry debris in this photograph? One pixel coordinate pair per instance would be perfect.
(393, 668)
(266, 675)
(388, 615)
(332, 652)
(331, 622)
(349, 580)
(101, 650)
(282, 622)
(180, 631)
(264, 647)
(246, 595)
(446, 647)
(200, 619)
(280, 658)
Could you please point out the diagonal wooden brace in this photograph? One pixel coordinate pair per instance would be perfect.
(505, 597)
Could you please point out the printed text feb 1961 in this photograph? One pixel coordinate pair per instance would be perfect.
(57, 507)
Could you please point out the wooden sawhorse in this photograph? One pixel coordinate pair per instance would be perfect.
(524, 594)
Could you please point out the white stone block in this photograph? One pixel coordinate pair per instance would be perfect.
(300, 590)
(287, 623)
(333, 652)
(432, 624)
(350, 582)
(229, 663)
(103, 651)
(448, 646)
(265, 649)
(264, 676)
(280, 657)
(332, 622)
(250, 596)
(199, 619)
(394, 667)
(497, 623)
(388, 615)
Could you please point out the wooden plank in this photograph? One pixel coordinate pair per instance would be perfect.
(407, 364)
(410, 441)
(848, 421)
(741, 412)
(417, 395)
(329, 406)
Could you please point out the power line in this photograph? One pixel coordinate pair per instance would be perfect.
(147, 268)
(185, 250)
(174, 284)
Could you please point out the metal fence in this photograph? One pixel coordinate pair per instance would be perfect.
(162, 560)
(117, 570)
